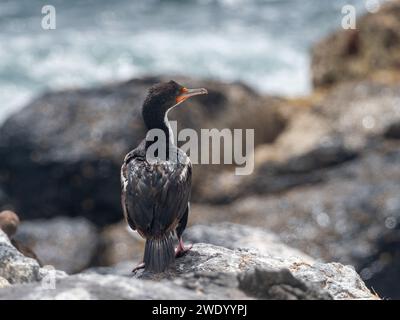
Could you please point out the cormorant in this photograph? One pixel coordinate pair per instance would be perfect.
(156, 189)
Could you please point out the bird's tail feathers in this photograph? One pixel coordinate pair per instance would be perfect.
(159, 253)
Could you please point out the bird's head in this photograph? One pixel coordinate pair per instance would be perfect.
(166, 95)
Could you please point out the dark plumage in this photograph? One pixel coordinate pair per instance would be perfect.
(156, 190)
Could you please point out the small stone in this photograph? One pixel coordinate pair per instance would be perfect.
(9, 222)
(4, 283)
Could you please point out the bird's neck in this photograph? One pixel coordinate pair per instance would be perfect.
(168, 131)
(159, 120)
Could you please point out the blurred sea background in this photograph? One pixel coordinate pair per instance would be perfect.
(263, 43)
(324, 104)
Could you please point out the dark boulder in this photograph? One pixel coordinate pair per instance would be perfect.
(393, 132)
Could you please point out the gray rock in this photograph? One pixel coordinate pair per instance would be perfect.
(210, 272)
(309, 145)
(339, 281)
(361, 111)
(351, 216)
(342, 282)
(4, 282)
(235, 236)
(337, 130)
(328, 183)
(118, 242)
(282, 285)
(14, 267)
(68, 244)
(95, 287)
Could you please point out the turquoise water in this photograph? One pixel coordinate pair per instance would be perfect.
(264, 43)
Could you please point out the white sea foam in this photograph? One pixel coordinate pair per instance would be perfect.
(263, 43)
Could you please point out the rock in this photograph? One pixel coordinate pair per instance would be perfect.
(68, 244)
(308, 145)
(361, 111)
(211, 272)
(335, 130)
(4, 283)
(235, 236)
(97, 287)
(355, 54)
(26, 250)
(119, 243)
(16, 268)
(3, 198)
(341, 282)
(338, 280)
(281, 285)
(332, 170)
(393, 131)
(9, 222)
(62, 153)
(273, 177)
(351, 216)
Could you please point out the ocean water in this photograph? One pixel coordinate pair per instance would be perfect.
(264, 43)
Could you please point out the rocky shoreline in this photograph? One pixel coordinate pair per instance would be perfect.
(325, 186)
(207, 272)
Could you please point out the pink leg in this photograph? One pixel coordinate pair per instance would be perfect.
(181, 250)
(138, 267)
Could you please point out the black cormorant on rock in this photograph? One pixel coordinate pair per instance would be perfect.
(156, 188)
